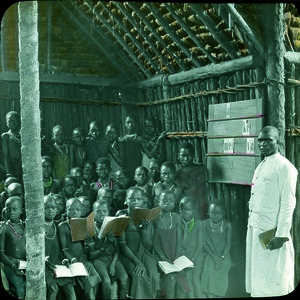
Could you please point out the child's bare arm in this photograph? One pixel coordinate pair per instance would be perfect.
(228, 239)
(6, 153)
(62, 231)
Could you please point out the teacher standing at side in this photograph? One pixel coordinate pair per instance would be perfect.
(270, 272)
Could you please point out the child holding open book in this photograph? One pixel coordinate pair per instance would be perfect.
(54, 254)
(167, 244)
(217, 244)
(135, 244)
(73, 251)
(103, 254)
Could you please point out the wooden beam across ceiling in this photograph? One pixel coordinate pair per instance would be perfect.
(119, 38)
(190, 33)
(92, 37)
(244, 28)
(147, 23)
(217, 34)
(172, 33)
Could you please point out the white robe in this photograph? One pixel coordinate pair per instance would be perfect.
(272, 202)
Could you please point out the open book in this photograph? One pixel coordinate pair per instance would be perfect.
(266, 236)
(81, 227)
(178, 265)
(145, 213)
(116, 225)
(75, 269)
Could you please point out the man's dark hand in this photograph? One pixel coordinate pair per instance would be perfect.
(276, 242)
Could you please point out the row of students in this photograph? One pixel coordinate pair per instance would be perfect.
(132, 258)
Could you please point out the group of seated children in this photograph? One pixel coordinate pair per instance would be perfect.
(129, 175)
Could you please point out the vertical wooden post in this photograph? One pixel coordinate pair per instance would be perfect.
(31, 150)
(274, 56)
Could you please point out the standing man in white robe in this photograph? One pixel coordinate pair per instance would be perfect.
(270, 272)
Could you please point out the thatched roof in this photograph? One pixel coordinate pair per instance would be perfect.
(133, 41)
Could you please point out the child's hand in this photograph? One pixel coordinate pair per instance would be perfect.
(163, 134)
(87, 241)
(15, 268)
(50, 265)
(144, 224)
(112, 269)
(110, 236)
(139, 269)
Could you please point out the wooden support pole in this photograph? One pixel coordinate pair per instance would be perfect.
(274, 56)
(31, 150)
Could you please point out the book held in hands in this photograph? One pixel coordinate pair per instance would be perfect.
(140, 214)
(75, 269)
(178, 265)
(81, 227)
(116, 225)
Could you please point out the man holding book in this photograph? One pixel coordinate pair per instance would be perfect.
(270, 265)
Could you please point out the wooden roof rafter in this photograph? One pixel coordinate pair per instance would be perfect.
(96, 40)
(119, 38)
(173, 35)
(145, 36)
(155, 34)
(190, 33)
(138, 45)
(217, 34)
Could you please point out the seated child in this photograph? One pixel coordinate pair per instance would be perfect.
(167, 175)
(54, 254)
(119, 197)
(60, 202)
(217, 244)
(141, 179)
(11, 146)
(122, 180)
(4, 195)
(78, 154)
(81, 188)
(106, 194)
(103, 170)
(13, 246)
(191, 177)
(51, 185)
(86, 206)
(69, 187)
(73, 251)
(60, 153)
(95, 147)
(167, 245)
(191, 245)
(103, 254)
(135, 245)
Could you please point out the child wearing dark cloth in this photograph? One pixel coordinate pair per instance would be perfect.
(51, 185)
(60, 202)
(191, 245)
(13, 246)
(103, 254)
(121, 180)
(60, 153)
(78, 154)
(141, 177)
(54, 254)
(154, 171)
(131, 147)
(95, 147)
(217, 244)
(86, 206)
(167, 245)
(88, 173)
(74, 252)
(191, 177)
(82, 189)
(119, 197)
(135, 246)
(103, 170)
(11, 146)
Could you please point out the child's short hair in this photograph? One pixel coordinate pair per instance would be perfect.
(14, 198)
(169, 165)
(118, 193)
(142, 168)
(48, 197)
(80, 129)
(103, 160)
(75, 169)
(71, 201)
(47, 159)
(133, 188)
(166, 192)
(188, 146)
(56, 127)
(83, 198)
(100, 202)
(219, 203)
(12, 113)
(69, 177)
